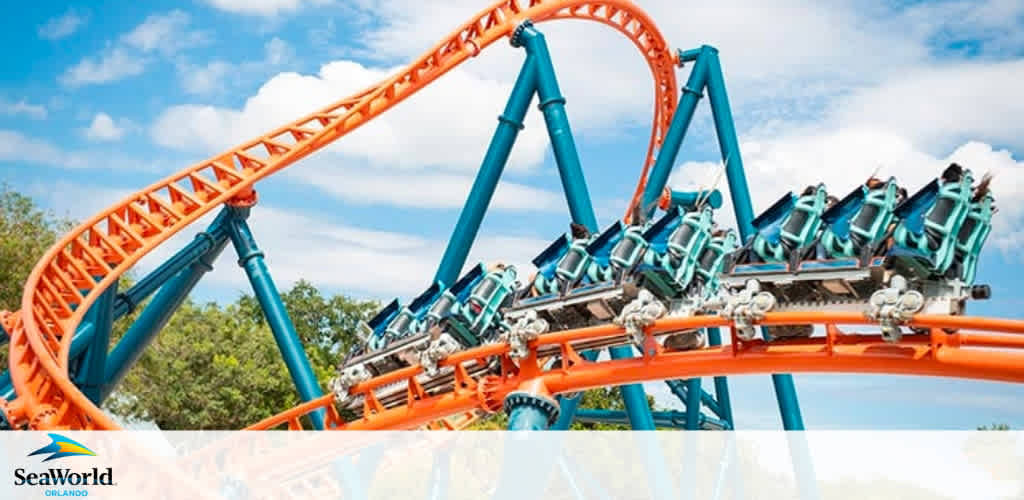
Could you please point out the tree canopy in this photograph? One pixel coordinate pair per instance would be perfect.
(218, 367)
(26, 232)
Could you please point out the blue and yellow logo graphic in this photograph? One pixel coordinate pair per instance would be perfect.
(62, 447)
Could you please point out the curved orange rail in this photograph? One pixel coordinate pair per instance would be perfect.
(70, 276)
(999, 356)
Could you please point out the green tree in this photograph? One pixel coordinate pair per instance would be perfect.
(994, 427)
(26, 231)
(218, 367)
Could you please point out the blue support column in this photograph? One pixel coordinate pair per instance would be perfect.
(693, 392)
(201, 254)
(721, 383)
(250, 258)
(90, 372)
(659, 174)
(530, 412)
(552, 105)
(633, 394)
(666, 419)
(509, 124)
(678, 388)
(728, 143)
(785, 389)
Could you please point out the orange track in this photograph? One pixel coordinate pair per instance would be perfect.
(72, 274)
(967, 354)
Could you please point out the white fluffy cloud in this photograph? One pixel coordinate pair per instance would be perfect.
(218, 75)
(344, 256)
(166, 34)
(110, 66)
(262, 7)
(448, 125)
(22, 107)
(103, 128)
(844, 158)
(62, 26)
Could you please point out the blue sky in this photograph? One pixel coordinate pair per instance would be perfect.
(101, 98)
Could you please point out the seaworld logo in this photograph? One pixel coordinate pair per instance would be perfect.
(61, 447)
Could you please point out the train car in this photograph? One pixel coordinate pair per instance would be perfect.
(866, 240)
(469, 306)
(479, 319)
(588, 288)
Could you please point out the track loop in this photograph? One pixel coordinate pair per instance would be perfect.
(72, 274)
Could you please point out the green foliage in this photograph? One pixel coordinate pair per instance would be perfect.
(994, 427)
(215, 367)
(26, 232)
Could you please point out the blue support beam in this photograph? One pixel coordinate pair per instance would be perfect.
(728, 142)
(633, 394)
(678, 388)
(669, 152)
(693, 393)
(724, 409)
(689, 199)
(567, 404)
(785, 389)
(101, 316)
(250, 258)
(671, 419)
(126, 301)
(530, 412)
(198, 258)
(509, 124)
(552, 105)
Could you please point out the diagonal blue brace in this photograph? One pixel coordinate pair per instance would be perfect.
(90, 372)
(250, 258)
(509, 124)
(175, 279)
(707, 73)
(552, 104)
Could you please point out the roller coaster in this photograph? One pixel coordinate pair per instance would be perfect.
(796, 288)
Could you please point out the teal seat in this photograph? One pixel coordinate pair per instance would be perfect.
(860, 221)
(686, 244)
(797, 230)
(931, 219)
(546, 280)
(629, 251)
(711, 261)
(478, 318)
(972, 236)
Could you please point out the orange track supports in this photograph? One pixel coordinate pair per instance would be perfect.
(111, 242)
(936, 354)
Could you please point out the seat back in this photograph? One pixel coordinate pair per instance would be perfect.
(801, 225)
(600, 249)
(972, 235)
(769, 222)
(711, 261)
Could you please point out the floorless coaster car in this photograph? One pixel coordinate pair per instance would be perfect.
(479, 319)
(386, 351)
(849, 283)
(588, 277)
(584, 288)
(468, 313)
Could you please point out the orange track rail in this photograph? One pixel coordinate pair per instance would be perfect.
(71, 275)
(993, 350)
